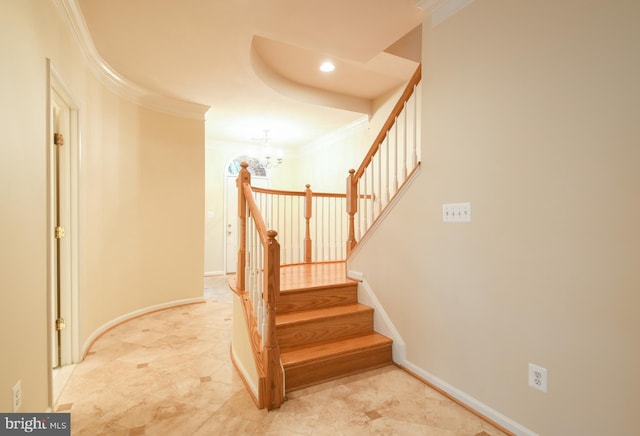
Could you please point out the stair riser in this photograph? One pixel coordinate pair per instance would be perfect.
(320, 371)
(292, 301)
(324, 329)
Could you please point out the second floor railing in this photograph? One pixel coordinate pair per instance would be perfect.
(312, 226)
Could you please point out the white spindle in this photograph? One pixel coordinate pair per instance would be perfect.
(377, 199)
(415, 126)
(405, 144)
(323, 230)
(301, 228)
(394, 137)
(388, 168)
(289, 229)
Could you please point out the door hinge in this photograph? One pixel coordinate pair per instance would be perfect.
(59, 233)
(58, 139)
(60, 324)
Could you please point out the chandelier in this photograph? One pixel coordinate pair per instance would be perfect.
(271, 157)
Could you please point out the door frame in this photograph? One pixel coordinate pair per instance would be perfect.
(57, 89)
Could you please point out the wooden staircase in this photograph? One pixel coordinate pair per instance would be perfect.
(305, 318)
(322, 331)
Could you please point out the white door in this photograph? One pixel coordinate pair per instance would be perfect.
(231, 225)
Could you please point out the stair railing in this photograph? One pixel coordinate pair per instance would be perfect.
(312, 226)
(391, 161)
(258, 285)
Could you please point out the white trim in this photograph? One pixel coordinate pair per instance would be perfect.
(440, 10)
(384, 325)
(381, 321)
(59, 91)
(469, 401)
(58, 85)
(136, 313)
(61, 377)
(119, 85)
(214, 273)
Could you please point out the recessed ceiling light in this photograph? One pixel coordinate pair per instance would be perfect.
(327, 67)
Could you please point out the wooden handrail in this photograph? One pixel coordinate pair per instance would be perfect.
(373, 199)
(391, 119)
(255, 212)
(267, 353)
(378, 198)
(296, 193)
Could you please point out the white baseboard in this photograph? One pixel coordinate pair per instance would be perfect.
(381, 321)
(384, 325)
(214, 273)
(469, 401)
(136, 313)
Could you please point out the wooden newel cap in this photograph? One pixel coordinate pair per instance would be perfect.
(244, 165)
(271, 234)
(352, 171)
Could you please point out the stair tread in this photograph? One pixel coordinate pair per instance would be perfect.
(347, 285)
(311, 275)
(328, 349)
(313, 314)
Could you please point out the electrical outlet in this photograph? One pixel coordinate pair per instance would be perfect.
(538, 377)
(16, 392)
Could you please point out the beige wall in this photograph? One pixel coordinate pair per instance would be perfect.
(530, 112)
(142, 193)
(140, 199)
(325, 163)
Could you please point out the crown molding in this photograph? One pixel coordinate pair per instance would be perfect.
(115, 81)
(440, 10)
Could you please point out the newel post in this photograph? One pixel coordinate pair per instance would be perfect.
(308, 208)
(352, 208)
(244, 176)
(271, 355)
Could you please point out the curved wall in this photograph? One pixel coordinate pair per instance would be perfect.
(140, 205)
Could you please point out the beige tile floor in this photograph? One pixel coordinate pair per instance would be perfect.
(169, 373)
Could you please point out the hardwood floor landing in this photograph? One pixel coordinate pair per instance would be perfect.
(312, 275)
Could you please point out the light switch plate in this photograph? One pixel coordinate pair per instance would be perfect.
(456, 212)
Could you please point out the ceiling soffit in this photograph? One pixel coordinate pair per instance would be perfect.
(213, 51)
(364, 80)
(117, 83)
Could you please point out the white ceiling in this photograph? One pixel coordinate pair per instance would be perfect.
(255, 62)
